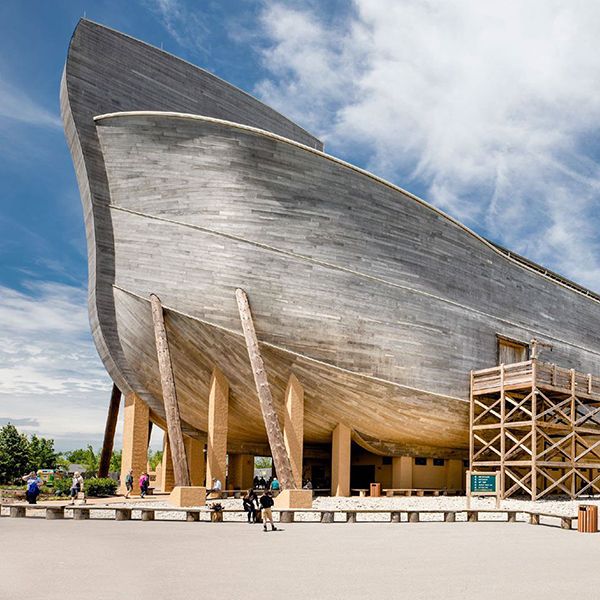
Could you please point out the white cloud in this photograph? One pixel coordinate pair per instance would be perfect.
(186, 26)
(49, 369)
(16, 105)
(52, 381)
(492, 108)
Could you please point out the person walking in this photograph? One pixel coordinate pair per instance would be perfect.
(76, 486)
(266, 504)
(144, 483)
(250, 505)
(129, 483)
(32, 491)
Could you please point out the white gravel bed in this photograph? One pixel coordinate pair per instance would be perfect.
(556, 506)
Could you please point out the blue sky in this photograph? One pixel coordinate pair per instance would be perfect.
(489, 112)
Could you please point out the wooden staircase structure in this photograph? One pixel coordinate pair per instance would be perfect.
(539, 426)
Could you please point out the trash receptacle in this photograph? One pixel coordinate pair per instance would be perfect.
(587, 518)
(375, 490)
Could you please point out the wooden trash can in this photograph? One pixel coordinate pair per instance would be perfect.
(375, 491)
(587, 518)
(216, 516)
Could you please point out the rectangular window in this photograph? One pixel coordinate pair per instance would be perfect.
(420, 461)
(511, 351)
(438, 462)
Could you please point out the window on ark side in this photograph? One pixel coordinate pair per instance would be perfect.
(511, 351)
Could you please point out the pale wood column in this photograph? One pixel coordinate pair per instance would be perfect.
(194, 450)
(402, 468)
(340, 461)
(293, 427)
(241, 471)
(167, 475)
(135, 440)
(216, 447)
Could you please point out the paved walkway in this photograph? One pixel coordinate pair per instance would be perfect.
(123, 560)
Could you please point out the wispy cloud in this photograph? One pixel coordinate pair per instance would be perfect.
(27, 422)
(51, 379)
(16, 105)
(185, 25)
(492, 109)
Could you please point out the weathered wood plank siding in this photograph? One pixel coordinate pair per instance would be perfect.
(107, 71)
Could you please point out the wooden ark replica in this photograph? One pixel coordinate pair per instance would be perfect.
(370, 306)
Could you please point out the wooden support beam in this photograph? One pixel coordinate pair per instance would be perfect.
(180, 466)
(109, 431)
(274, 434)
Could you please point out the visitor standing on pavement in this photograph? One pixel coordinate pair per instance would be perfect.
(76, 486)
(251, 505)
(128, 483)
(32, 491)
(266, 504)
(144, 484)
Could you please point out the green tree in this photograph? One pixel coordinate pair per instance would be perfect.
(115, 461)
(263, 462)
(92, 460)
(41, 453)
(154, 458)
(78, 456)
(85, 457)
(14, 454)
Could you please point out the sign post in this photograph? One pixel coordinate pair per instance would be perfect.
(480, 483)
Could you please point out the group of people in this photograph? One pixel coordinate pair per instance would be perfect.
(34, 485)
(260, 483)
(144, 483)
(253, 504)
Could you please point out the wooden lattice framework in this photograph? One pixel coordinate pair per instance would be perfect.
(539, 425)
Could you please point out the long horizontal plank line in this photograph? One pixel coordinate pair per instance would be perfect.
(506, 254)
(328, 265)
(297, 354)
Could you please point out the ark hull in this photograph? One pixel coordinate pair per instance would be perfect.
(378, 303)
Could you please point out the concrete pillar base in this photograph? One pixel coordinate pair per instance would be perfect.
(294, 499)
(187, 496)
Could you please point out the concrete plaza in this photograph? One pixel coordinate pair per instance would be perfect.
(122, 560)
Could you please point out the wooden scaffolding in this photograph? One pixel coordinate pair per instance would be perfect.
(539, 426)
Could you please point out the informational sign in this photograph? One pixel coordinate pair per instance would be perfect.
(483, 484)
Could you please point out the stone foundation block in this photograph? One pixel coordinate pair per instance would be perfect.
(294, 499)
(188, 496)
